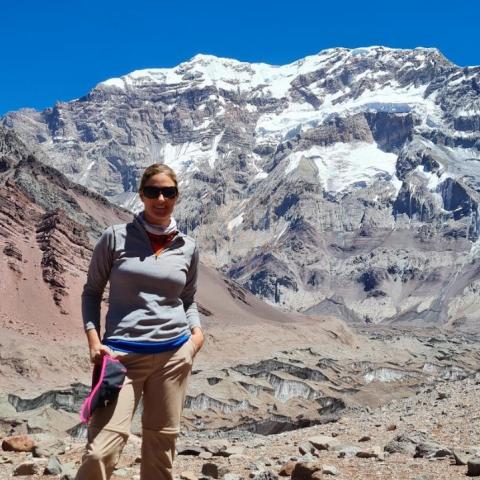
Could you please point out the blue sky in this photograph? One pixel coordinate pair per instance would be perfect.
(60, 49)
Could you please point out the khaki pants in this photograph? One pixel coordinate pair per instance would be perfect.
(162, 379)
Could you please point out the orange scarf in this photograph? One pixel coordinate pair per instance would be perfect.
(159, 242)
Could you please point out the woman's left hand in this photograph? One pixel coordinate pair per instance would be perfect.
(197, 338)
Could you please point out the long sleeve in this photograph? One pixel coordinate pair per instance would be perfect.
(97, 278)
(188, 294)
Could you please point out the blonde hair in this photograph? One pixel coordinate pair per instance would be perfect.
(154, 170)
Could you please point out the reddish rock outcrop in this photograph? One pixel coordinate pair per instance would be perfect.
(18, 443)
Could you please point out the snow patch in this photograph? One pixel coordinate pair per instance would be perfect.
(347, 164)
(187, 156)
(238, 220)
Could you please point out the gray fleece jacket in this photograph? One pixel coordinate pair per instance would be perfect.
(151, 297)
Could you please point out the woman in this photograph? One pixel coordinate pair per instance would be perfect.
(152, 327)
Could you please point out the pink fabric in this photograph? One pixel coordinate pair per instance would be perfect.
(86, 408)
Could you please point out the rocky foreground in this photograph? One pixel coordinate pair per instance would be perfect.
(431, 435)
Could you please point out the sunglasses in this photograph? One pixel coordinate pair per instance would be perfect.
(154, 192)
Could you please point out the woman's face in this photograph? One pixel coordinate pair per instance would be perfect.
(158, 211)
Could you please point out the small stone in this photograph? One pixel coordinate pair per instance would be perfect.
(323, 442)
(54, 467)
(188, 476)
(461, 458)
(27, 468)
(257, 442)
(213, 470)
(18, 443)
(252, 467)
(123, 472)
(215, 446)
(307, 458)
(232, 451)
(365, 438)
(306, 448)
(348, 452)
(391, 427)
(473, 467)
(329, 470)
(69, 471)
(205, 455)
(190, 450)
(265, 475)
(374, 452)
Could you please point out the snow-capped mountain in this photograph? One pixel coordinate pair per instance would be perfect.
(345, 182)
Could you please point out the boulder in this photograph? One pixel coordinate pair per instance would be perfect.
(305, 470)
(462, 457)
(473, 467)
(18, 443)
(287, 469)
(211, 469)
(431, 450)
(27, 468)
(215, 446)
(405, 443)
(54, 467)
(48, 447)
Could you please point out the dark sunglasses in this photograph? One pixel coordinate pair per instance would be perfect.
(154, 192)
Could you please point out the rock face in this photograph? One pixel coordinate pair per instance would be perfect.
(46, 234)
(346, 182)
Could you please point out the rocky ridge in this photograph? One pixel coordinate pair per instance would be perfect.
(45, 236)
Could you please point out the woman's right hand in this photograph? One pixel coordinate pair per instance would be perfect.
(97, 352)
(96, 348)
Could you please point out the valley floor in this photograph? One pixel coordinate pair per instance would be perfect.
(440, 419)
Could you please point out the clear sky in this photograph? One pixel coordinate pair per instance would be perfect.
(60, 49)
